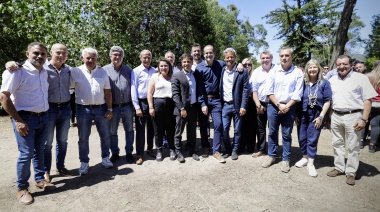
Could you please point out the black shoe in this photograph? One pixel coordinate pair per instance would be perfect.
(195, 157)
(226, 155)
(151, 153)
(234, 156)
(130, 158)
(205, 152)
(114, 158)
(371, 148)
(159, 156)
(180, 157)
(361, 144)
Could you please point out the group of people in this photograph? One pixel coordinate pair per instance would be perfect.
(165, 99)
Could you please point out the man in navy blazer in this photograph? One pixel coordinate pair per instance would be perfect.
(234, 94)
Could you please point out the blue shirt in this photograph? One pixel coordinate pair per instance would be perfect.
(331, 74)
(140, 80)
(323, 94)
(120, 81)
(59, 83)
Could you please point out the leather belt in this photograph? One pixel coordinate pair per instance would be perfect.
(60, 104)
(347, 112)
(92, 106)
(213, 96)
(30, 113)
(121, 104)
(230, 102)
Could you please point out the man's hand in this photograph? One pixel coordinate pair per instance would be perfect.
(240, 67)
(359, 125)
(183, 113)
(283, 109)
(139, 113)
(260, 110)
(152, 112)
(22, 128)
(205, 110)
(108, 115)
(242, 111)
(11, 66)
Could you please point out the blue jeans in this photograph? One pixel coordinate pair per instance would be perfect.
(286, 121)
(30, 147)
(85, 115)
(215, 109)
(59, 119)
(125, 113)
(308, 135)
(229, 112)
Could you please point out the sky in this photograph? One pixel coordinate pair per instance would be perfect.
(254, 10)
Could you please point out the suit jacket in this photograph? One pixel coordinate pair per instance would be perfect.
(240, 89)
(181, 91)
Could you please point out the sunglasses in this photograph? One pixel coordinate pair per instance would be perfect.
(246, 65)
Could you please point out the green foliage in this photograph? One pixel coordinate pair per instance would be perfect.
(373, 43)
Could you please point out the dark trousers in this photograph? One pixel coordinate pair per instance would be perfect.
(215, 109)
(308, 135)
(249, 128)
(163, 121)
(375, 125)
(140, 128)
(262, 120)
(191, 121)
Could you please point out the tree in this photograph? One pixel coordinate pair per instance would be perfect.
(342, 33)
(373, 43)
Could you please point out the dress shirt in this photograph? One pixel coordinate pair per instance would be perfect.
(59, 83)
(162, 87)
(286, 85)
(323, 94)
(258, 80)
(192, 86)
(228, 82)
(89, 85)
(331, 74)
(209, 76)
(140, 81)
(120, 81)
(28, 88)
(349, 93)
(175, 69)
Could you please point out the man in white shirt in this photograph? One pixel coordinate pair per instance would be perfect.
(94, 102)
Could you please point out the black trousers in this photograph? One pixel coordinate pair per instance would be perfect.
(249, 128)
(191, 121)
(140, 128)
(163, 121)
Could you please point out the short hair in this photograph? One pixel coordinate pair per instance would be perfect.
(186, 55)
(308, 64)
(213, 50)
(145, 51)
(196, 45)
(90, 51)
(359, 62)
(30, 45)
(169, 52)
(344, 56)
(267, 52)
(163, 59)
(287, 48)
(116, 49)
(229, 49)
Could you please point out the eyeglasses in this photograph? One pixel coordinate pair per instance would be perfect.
(247, 64)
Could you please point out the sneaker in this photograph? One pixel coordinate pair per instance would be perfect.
(114, 158)
(258, 154)
(107, 163)
(312, 171)
(372, 148)
(361, 145)
(139, 160)
(285, 166)
(350, 179)
(63, 171)
(234, 155)
(268, 162)
(180, 157)
(83, 168)
(334, 173)
(195, 157)
(173, 155)
(130, 158)
(159, 156)
(219, 157)
(151, 153)
(301, 163)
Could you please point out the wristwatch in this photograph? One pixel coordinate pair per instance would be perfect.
(278, 104)
(365, 120)
(109, 109)
(258, 106)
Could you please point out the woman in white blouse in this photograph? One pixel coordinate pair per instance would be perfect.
(161, 107)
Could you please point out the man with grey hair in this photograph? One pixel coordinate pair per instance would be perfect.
(94, 102)
(171, 57)
(122, 108)
(139, 91)
(234, 90)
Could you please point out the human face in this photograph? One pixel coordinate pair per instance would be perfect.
(360, 67)
(164, 68)
(286, 59)
(90, 59)
(325, 69)
(186, 64)
(266, 61)
(170, 56)
(209, 54)
(146, 59)
(116, 58)
(229, 58)
(343, 66)
(37, 56)
(196, 52)
(248, 65)
(58, 54)
(313, 71)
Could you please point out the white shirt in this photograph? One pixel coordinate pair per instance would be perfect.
(349, 93)
(162, 87)
(228, 82)
(28, 88)
(175, 69)
(89, 85)
(258, 80)
(140, 80)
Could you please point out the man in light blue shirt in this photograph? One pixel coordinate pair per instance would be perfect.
(284, 90)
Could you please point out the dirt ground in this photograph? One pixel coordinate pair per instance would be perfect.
(205, 185)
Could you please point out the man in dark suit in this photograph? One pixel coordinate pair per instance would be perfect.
(186, 107)
(234, 94)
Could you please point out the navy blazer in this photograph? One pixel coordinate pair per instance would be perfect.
(240, 89)
(181, 91)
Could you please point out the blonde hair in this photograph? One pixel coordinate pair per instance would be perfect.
(374, 75)
(308, 64)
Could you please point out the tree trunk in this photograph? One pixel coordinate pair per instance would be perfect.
(341, 35)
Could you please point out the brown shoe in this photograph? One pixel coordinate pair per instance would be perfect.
(219, 157)
(24, 197)
(258, 154)
(350, 179)
(139, 160)
(64, 172)
(47, 177)
(45, 185)
(334, 173)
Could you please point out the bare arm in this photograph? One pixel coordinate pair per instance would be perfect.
(151, 90)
